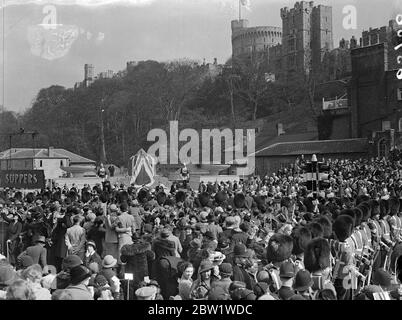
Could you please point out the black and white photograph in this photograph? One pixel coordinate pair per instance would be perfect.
(216, 151)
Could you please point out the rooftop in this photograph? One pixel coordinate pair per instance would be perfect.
(43, 153)
(315, 147)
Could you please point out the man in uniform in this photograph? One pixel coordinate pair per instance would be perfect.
(343, 257)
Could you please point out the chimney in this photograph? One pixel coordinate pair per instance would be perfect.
(50, 152)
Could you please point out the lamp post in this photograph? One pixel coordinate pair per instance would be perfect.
(315, 171)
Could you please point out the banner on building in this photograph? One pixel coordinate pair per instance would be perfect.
(335, 104)
(22, 179)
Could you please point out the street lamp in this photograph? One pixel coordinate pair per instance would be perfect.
(315, 172)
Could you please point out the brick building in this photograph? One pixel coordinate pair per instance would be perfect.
(376, 98)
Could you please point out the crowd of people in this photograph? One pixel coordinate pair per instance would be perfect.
(264, 238)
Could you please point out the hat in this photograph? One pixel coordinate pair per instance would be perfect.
(218, 256)
(225, 269)
(317, 255)
(209, 235)
(71, 261)
(79, 274)
(279, 248)
(303, 280)
(113, 207)
(382, 278)
(195, 243)
(7, 274)
(203, 216)
(91, 243)
(145, 292)
(343, 227)
(109, 261)
(230, 221)
(217, 293)
(287, 270)
(205, 266)
(165, 233)
(241, 251)
(100, 281)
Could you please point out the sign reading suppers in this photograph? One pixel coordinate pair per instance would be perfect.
(22, 179)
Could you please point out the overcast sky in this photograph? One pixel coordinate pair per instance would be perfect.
(109, 33)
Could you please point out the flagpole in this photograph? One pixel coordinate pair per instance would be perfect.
(239, 10)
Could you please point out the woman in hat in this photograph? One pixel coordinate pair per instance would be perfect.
(201, 287)
(242, 263)
(186, 271)
(108, 271)
(79, 283)
(91, 255)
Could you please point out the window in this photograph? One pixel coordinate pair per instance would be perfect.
(61, 163)
(382, 148)
(399, 94)
(40, 164)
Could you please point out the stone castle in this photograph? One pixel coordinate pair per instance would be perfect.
(300, 45)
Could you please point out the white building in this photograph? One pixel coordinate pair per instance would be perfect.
(55, 163)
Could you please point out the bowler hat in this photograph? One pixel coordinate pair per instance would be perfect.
(79, 274)
(71, 261)
(287, 270)
(226, 268)
(109, 261)
(303, 280)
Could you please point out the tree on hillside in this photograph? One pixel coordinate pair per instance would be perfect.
(253, 85)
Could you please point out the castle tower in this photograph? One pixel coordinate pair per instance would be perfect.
(307, 36)
(246, 40)
(88, 74)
